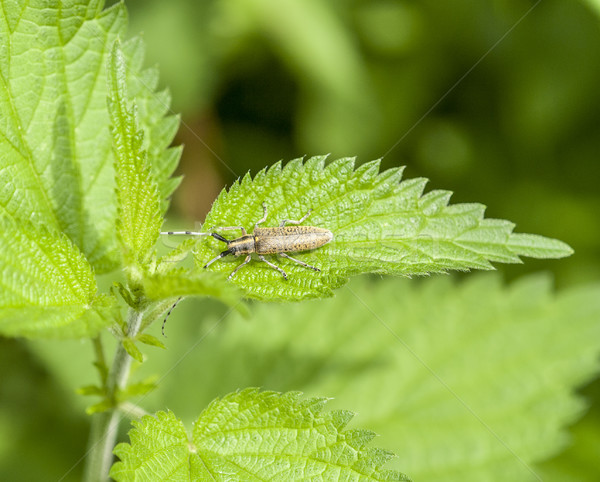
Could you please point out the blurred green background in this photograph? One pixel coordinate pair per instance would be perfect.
(499, 105)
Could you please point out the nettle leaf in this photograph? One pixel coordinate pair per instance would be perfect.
(132, 349)
(138, 202)
(56, 157)
(380, 225)
(472, 381)
(47, 287)
(180, 282)
(252, 435)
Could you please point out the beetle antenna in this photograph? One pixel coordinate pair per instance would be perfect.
(168, 314)
(219, 237)
(222, 255)
(184, 233)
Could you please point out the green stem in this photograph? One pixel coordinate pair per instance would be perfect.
(105, 425)
(100, 360)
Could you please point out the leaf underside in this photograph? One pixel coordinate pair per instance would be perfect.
(179, 282)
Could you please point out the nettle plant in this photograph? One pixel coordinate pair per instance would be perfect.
(462, 381)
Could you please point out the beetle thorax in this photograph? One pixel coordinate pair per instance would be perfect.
(243, 245)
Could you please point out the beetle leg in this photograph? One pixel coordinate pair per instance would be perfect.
(228, 228)
(299, 262)
(283, 273)
(295, 222)
(264, 218)
(246, 261)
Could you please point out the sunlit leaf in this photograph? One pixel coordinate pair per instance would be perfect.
(138, 202)
(379, 225)
(481, 375)
(56, 160)
(48, 288)
(250, 435)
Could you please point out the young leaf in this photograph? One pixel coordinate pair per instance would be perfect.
(471, 381)
(89, 390)
(379, 225)
(147, 339)
(137, 389)
(250, 435)
(169, 281)
(138, 203)
(56, 160)
(48, 289)
(133, 350)
(99, 407)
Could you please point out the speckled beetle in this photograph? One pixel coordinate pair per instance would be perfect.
(280, 240)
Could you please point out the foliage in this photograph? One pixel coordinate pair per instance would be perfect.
(379, 224)
(48, 287)
(252, 435)
(87, 170)
(138, 202)
(56, 146)
(59, 207)
(464, 381)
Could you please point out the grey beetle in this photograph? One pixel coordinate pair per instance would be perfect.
(279, 240)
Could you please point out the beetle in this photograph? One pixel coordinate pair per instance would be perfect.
(277, 240)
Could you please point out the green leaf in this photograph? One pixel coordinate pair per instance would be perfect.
(90, 390)
(536, 246)
(250, 435)
(179, 253)
(133, 351)
(380, 225)
(138, 203)
(137, 389)
(150, 340)
(47, 288)
(465, 381)
(100, 407)
(179, 282)
(56, 160)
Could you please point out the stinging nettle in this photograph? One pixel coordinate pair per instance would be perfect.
(278, 240)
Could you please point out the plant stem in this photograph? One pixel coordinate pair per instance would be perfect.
(105, 425)
(100, 360)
